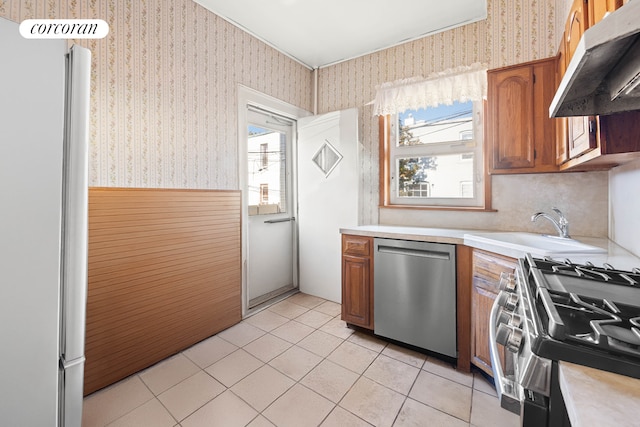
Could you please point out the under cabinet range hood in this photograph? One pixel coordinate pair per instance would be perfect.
(603, 76)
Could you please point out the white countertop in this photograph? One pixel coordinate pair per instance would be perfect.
(617, 256)
(599, 398)
(438, 235)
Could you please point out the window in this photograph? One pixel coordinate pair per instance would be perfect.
(264, 194)
(264, 155)
(432, 157)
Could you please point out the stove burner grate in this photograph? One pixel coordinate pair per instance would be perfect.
(597, 323)
(606, 274)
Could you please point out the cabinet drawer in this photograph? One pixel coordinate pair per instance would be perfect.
(356, 245)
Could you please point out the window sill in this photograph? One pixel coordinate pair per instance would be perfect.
(440, 208)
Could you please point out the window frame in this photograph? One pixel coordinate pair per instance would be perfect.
(385, 141)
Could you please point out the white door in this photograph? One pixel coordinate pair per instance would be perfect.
(328, 197)
(271, 234)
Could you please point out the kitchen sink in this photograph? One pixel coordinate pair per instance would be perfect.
(519, 243)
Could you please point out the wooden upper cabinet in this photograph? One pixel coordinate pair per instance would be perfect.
(576, 26)
(617, 139)
(581, 136)
(599, 8)
(581, 133)
(511, 111)
(521, 137)
(594, 142)
(562, 146)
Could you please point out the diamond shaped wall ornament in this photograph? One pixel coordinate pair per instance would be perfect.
(327, 158)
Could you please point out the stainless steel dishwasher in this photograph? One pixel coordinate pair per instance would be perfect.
(415, 293)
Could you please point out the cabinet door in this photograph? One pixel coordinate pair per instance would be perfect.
(481, 303)
(562, 143)
(357, 280)
(521, 138)
(510, 127)
(486, 270)
(599, 8)
(575, 27)
(579, 137)
(581, 133)
(356, 291)
(544, 127)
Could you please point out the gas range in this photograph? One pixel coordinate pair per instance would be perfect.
(584, 314)
(550, 311)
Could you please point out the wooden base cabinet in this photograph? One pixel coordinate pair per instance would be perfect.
(486, 270)
(357, 280)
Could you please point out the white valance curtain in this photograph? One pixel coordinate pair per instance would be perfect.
(465, 83)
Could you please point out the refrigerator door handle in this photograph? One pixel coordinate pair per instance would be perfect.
(75, 205)
(71, 389)
(73, 297)
(64, 364)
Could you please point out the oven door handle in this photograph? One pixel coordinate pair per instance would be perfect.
(506, 388)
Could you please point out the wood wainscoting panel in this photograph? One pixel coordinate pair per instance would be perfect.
(164, 274)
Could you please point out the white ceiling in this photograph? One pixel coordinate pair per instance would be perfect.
(322, 32)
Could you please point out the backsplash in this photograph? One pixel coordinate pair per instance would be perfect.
(624, 206)
(164, 89)
(582, 197)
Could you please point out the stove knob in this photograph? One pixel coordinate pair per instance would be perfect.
(515, 340)
(510, 337)
(507, 300)
(515, 321)
(507, 282)
(510, 319)
(504, 317)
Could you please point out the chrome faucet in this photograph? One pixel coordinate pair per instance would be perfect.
(562, 224)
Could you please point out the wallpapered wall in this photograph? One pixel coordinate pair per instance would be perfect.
(515, 31)
(164, 89)
(164, 95)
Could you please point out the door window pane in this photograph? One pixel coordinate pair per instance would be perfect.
(267, 174)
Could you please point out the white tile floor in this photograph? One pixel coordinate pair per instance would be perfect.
(297, 364)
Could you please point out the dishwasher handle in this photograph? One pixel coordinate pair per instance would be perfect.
(414, 252)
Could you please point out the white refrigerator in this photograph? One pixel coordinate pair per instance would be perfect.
(44, 119)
